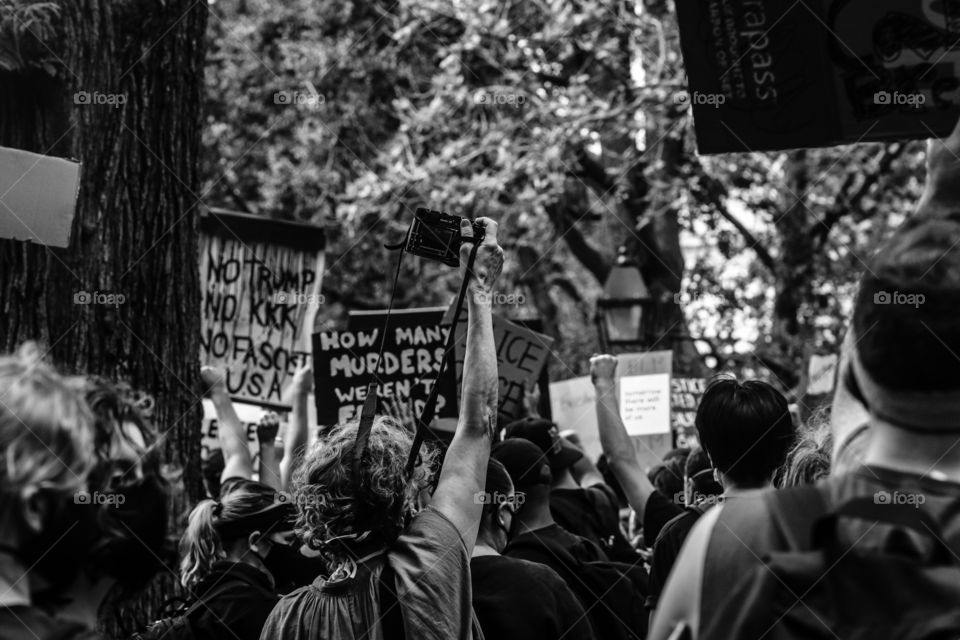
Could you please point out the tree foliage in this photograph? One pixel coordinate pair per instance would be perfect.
(560, 120)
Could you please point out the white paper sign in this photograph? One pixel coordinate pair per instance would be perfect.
(645, 403)
(822, 372)
(573, 405)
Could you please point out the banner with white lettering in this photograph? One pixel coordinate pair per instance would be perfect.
(413, 348)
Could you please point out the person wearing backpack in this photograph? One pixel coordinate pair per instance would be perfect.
(612, 593)
(873, 552)
(46, 436)
(398, 557)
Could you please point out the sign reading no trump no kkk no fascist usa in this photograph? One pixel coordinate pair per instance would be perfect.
(260, 291)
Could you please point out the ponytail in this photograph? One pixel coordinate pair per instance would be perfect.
(200, 545)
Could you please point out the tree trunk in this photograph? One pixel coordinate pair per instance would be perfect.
(136, 226)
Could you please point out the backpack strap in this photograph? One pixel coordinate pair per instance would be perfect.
(793, 512)
(391, 616)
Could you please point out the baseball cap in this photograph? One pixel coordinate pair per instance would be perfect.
(543, 433)
(523, 461)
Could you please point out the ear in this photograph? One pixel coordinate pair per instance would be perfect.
(255, 540)
(33, 509)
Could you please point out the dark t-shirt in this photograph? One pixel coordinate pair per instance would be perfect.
(535, 546)
(31, 623)
(593, 513)
(519, 600)
(666, 550)
(237, 598)
(658, 512)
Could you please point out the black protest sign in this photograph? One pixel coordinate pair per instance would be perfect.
(779, 74)
(343, 363)
(260, 291)
(685, 394)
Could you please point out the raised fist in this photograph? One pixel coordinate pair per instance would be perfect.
(489, 262)
(603, 368)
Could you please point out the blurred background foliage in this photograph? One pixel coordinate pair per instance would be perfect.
(564, 121)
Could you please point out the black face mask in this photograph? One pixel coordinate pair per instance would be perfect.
(132, 533)
(57, 553)
(290, 568)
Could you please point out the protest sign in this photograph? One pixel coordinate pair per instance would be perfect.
(260, 291)
(521, 354)
(249, 415)
(413, 347)
(821, 373)
(573, 404)
(685, 394)
(38, 197)
(778, 74)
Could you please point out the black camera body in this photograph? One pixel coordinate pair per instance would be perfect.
(436, 236)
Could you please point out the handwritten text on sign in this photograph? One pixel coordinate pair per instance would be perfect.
(345, 360)
(521, 354)
(258, 302)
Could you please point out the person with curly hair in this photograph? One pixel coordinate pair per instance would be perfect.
(398, 558)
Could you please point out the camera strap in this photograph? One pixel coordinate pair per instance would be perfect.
(369, 410)
(430, 407)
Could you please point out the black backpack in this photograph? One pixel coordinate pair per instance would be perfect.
(818, 586)
(612, 593)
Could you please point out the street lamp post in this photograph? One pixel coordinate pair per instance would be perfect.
(625, 310)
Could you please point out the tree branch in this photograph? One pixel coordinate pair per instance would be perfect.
(848, 202)
(752, 242)
(591, 259)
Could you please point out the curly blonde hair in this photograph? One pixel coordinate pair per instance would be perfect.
(325, 490)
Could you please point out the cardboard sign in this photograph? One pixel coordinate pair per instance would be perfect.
(260, 292)
(521, 354)
(38, 197)
(413, 347)
(573, 404)
(644, 388)
(780, 74)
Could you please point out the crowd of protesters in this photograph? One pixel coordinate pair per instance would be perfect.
(844, 526)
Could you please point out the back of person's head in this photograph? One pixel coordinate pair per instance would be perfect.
(905, 366)
(680, 453)
(217, 526)
(499, 502)
(132, 492)
(333, 519)
(809, 459)
(528, 468)
(46, 440)
(668, 477)
(699, 483)
(746, 428)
